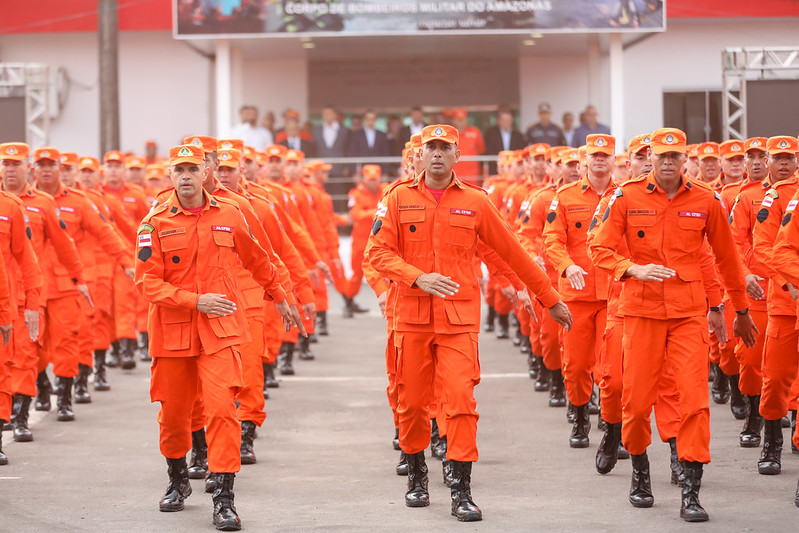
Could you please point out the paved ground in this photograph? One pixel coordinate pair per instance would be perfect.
(325, 461)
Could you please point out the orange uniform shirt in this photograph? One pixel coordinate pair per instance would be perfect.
(470, 143)
(785, 259)
(22, 267)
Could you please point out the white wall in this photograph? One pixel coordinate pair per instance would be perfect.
(164, 88)
(271, 85)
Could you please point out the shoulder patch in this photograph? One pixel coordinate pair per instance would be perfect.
(772, 193)
(145, 228)
(62, 224)
(145, 253)
(378, 223)
(762, 215)
(787, 219)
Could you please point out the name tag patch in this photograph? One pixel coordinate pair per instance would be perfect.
(409, 207)
(642, 212)
(67, 209)
(173, 231)
(467, 212)
(693, 214)
(226, 229)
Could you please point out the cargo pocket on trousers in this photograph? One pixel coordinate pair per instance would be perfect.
(176, 327)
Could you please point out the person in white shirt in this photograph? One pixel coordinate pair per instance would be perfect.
(250, 131)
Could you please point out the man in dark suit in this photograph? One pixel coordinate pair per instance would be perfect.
(331, 140)
(416, 125)
(293, 139)
(368, 142)
(501, 137)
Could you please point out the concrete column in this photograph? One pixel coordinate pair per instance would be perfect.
(223, 82)
(593, 70)
(617, 90)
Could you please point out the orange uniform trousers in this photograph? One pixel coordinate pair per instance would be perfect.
(175, 383)
(320, 292)
(103, 329)
(611, 361)
(5, 383)
(61, 337)
(356, 280)
(251, 396)
(85, 333)
(724, 354)
(23, 357)
(495, 299)
(580, 346)
(419, 356)
(650, 345)
(549, 338)
(750, 360)
(126, 299)
(273, 333)
(391, 372)
(780, 363)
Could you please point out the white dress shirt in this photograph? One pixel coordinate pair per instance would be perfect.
(329, 133)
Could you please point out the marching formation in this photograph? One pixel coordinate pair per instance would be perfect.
(629, 281)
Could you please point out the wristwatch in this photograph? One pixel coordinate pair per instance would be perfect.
(718, 309)
(742, 312)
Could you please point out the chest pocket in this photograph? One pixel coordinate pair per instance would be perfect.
(691, 233)
(175, 249)
(412, 223)
(223, 238)
(461, 230)
(581, 219)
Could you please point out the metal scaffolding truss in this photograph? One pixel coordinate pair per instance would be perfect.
(740, 65)
(31, 81)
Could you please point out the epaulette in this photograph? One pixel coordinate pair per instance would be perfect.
(567, 186)
(789, 181)
(76, 192)
(397, 184)
(473, 186)
(154, 210)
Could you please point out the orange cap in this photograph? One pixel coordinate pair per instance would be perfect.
(69, 159)
(708, 149)
(782, 144)
(229, 157)
(731, 148)
(440, 132)
(600, 143)
(294, 155)
(459, 113)
(638, 143)
(114, 155)
(186, 153)
(291, 113)
(155, 171)
(554, 153)
(14, 151)
(276, 150)
(208, 144)
(407, 153)
(92, 163)
(666, 140)
(502, 157)
(227, 144)
(537, 149)
(691, 150)
(514, 156)
(621, 159)
(47, 152)
(416, 141)
(569, 155)
(371, 172)
(755, 143)
(135, 161)
(249, 153)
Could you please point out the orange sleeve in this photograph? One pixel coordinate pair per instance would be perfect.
(603, 247)
(497, 268)
(67, 253)
(104, 234)
(375, 280)
(121, 219)
(288, 254)
(728, 262)
(298, 236)
(496, 233)
(6, 305)
(257, 260)
(25, 257)
(740, 222)
(710, 278)
(765, 233)
(785, 259)
(383, 253)
(555, 236)
(312, 223)
(327, 219)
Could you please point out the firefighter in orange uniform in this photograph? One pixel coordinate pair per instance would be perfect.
(471, 144)
(665, 219)
(583, 286)
(188, 249)
(424, 239)
(743, 220)
(363, 201)
(18, 358)
(781, 351)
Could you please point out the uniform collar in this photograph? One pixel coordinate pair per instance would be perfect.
(173, 206)
(420, 179)
(652, 184)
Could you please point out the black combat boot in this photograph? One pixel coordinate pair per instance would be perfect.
(3, 456)
(581, 427)
(395, 440)
(312, 338)
(198, 467)
(417, 495)
(557, 391)
(737, 402)
(179, 487)
(247, 439)
(43, 392)
(720, 389)
(691, 510)
(441, 449)
(446, 471)
(127, 358)
(608, 452)
(677, 467)
(503, 327)
(284, 359)
(794, 449)
(770, 462)
(593, 403)
(525, 345)
(491, 316)
(211, 482)
(542, 382)
(20, 421)
(641, 486)
(100, 383)
(434, 439)
(113, 355)
(357, 308)
(571, 413)
(82, 385)
(463, 507)
(270, 381)
(533, 365)
(225, 517)
(753, 424)
(305, 349)
(144, 347)
(347, 311)
(402, 466)
(63, 391)
(321, 323)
